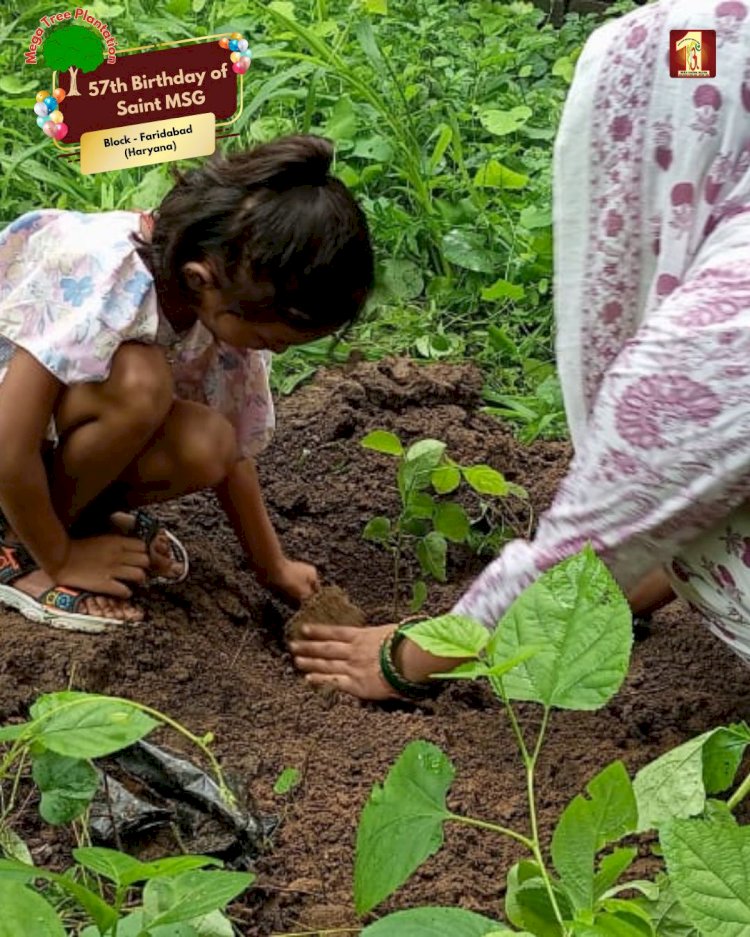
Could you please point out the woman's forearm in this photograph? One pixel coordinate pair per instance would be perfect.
(242, 501)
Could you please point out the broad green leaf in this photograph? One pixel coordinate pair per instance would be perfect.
(421, 459)
(494, 175)
(485, 480)
(432, 554)
(284, 7)
(450, 636)
(535, 216)
(420, 505)
(190, 895)
(133, 926)
(578, 617)
(67, 785)
(503, 289)
(527, 901)
(97, 909)
(709, 867)
(402, 279)
(418, 596)
(429, 450)
(676, 784)
(445, 479)
(10, 84)
(377, 529)
(564, 68)
(612, 867)
(287, 781)
(381, 440)
(617, 924)
(124, 870)
(434, 922)
(84, 725)
(376, 6)
(11, 733)
(501, 123)
(475, 669)
(469, 250)
(215, 924)
(26, 912)
(667, 915)
(402, 823)
(342, 122)
(589, 824)
(452, 522)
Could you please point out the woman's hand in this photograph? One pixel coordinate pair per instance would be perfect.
(103, 565)
(292, 579)
(348, 659)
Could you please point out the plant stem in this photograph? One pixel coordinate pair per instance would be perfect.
(740, 794)
(495, 828)
(397, 570)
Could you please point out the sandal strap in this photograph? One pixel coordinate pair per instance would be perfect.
(63, 599)
(146, 526)
(15, 562)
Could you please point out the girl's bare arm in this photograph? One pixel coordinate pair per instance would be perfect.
(28, 395)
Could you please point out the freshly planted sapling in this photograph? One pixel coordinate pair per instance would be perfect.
(429, 520)
(565, 644)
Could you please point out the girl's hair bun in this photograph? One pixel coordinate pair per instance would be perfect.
(279, 164)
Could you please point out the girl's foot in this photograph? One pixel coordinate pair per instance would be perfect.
(38, 582)
(169, 562)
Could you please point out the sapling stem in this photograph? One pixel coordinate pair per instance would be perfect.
(494, 828)
(740, 794)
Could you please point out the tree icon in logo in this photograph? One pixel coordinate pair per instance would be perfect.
(72, 47)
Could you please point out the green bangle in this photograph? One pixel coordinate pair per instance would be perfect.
(395, 679)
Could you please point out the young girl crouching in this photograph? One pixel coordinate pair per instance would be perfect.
(134, 361)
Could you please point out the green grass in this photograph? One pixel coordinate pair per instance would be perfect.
(443, 113)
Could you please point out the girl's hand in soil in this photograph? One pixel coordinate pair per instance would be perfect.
(348, 659)
(103, 565)
(293, 580)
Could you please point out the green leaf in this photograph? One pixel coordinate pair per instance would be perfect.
(667, 915)
(426, 450)
(586, 826)
(578, 617)
(472, 670)
(421, 459)
(450, 636)
(709, 867)
(13, 847)
(527, 901)
(432, 552)
(133, 925)
(485, 480)
(67, 785)
(11, 733)
(402, 279)
(494, 175)
(501, 123)
(124, 870)
(25, 912)
(377, 529)
(452, 522)
(434, 922)
(287, 781)
(342, 121)
(445, 479)
(376, 6)
(215, 924)
(418, 596)
(612, 867)
(676, 784)
(503, 289)
(381, 440)
(442, 143)
(402, 823)
(535, 216)
(469, 250)
(190, 895)
(420, 505)
(97, 909)
(284, 7)
(10, 84)
(564, 68)
(84, 725)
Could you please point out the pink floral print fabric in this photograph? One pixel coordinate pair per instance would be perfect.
(652, 235)
(73, 289)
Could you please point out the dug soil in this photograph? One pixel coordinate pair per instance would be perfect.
(213, 656)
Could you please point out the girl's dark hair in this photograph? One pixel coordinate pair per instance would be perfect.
(281, 233)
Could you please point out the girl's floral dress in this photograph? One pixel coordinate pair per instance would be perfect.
(73, 289)
(652, 303)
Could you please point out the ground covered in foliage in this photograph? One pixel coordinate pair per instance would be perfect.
(212, 656)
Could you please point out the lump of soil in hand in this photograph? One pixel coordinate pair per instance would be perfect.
(330, 606)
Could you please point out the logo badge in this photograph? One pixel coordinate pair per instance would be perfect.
(692, 53)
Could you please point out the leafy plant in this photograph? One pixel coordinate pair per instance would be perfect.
(181, 896)
(426, 523)
(565, 644)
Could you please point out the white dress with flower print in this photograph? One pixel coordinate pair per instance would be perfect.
(73, 289)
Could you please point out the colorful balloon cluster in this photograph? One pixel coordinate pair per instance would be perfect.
(48, 115)
(239, 52)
